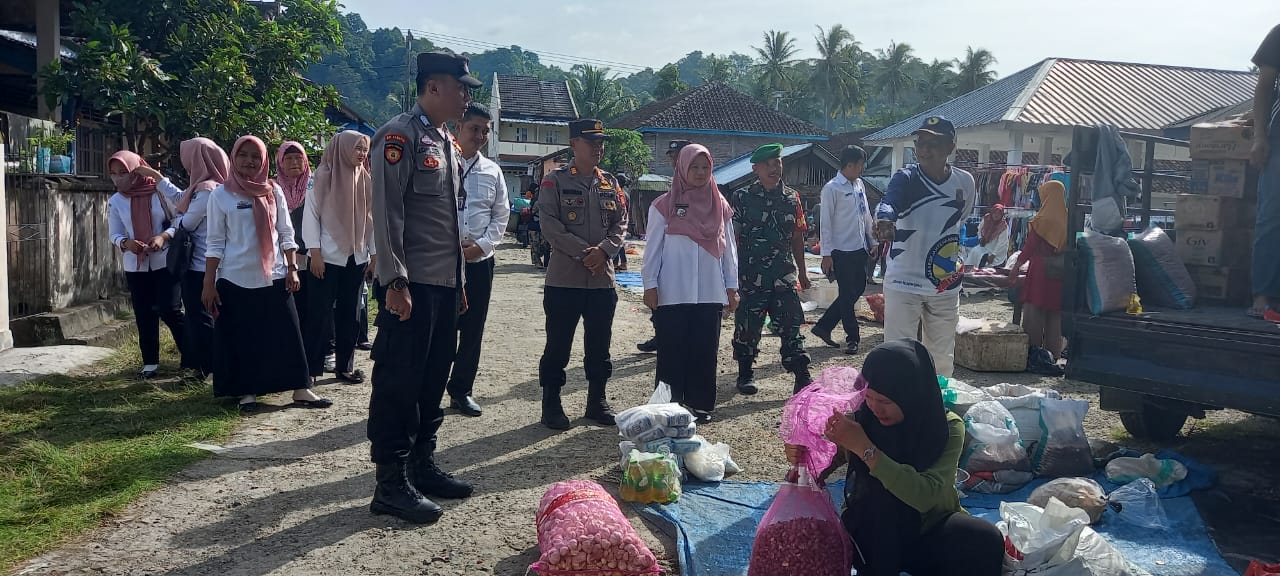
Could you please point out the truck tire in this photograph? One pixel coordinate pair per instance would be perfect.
(1153, 422)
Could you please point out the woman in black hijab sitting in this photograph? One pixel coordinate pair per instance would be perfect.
(902, 448)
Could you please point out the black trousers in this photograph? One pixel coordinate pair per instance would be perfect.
(198, 354)
(688, 347)
(850, 272)
(466, 363)
(340, 284)
(892, 542)
(411, 360)
(564, 307)
(156, 296)
(362, 313)
(305, 282)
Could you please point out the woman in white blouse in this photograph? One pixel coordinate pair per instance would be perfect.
(207, 168)
(139, 227)
(337, 228)
(249, 281)
(690, 279)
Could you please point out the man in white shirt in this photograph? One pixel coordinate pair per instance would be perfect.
(846, 233)
(921, 215)
(483, 220)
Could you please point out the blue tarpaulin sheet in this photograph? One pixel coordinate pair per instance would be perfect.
(629, 279)
(714, 524)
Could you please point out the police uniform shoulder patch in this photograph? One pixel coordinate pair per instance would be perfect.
(392, 153)
(396, 138)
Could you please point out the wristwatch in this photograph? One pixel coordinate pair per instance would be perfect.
(398, 284)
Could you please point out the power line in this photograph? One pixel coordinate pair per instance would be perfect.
(550, 57)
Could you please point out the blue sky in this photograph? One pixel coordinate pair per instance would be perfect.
(1198, 33)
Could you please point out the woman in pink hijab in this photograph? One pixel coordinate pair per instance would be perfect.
(140, 227)
(250, 278)
(337, 228)
(207, 167)
(690, 279)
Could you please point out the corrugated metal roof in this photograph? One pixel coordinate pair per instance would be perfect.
(29, 39)
(982, 106)
(1065, 92)
(741, 166)
(1130, 96)
(715, 107)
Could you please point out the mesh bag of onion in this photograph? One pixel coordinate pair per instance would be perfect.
(804, 416)
(582, 532)
(801, 533)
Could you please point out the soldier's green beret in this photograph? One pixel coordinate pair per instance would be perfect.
(766, 152)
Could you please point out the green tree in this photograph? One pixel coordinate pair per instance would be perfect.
(718, 69)
(894, 76)
(975, 69)
(625, 151)
(775, 59)
(669, 83)
(937, 84)
(597, 94)
(836, 72)
(215, 68)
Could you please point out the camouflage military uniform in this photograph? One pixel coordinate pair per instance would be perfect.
(766, 222)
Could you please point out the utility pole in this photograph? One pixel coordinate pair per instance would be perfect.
(408, 70)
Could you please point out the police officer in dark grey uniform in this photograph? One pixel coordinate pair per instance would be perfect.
(584, 216)
(417, 192)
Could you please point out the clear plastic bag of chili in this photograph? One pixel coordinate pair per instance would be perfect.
(801, 533)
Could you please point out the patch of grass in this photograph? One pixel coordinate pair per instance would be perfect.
(77, 449)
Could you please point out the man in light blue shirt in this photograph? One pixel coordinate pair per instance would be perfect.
(846, 233)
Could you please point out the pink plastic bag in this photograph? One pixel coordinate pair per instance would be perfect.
(801, 534)
(582, 532)
(804, 417)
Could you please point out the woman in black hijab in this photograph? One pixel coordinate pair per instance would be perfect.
(901, 505)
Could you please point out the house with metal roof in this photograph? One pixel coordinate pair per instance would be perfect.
(729, 123)
(1026, 118)
(530, 121)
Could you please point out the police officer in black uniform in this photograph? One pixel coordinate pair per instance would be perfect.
(584, 215)
(417, 193)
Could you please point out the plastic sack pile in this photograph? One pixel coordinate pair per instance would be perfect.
(662, 428)
(1055, 541)
(805, 415)
(800, 534)
(582, 532)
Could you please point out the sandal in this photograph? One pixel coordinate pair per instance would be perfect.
(356, 377)
(248, 407)
(1255, 312)
(317, 403)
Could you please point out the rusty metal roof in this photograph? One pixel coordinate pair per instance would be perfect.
(1065, 92)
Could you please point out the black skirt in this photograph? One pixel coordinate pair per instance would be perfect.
(258, 347)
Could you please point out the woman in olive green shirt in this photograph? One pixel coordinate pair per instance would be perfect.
(902, 448)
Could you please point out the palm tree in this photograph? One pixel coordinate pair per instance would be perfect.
(776, 57)
(717, 69)
(597, 95)
(975, 69)
(938, 84)
(836, 72)
(894, 76)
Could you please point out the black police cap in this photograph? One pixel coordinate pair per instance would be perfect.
(445, 63)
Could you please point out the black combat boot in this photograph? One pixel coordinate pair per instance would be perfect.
(746, 377)
(598, 408)
(802, 379)
(428, 478)
(552, 411)
(396, 496)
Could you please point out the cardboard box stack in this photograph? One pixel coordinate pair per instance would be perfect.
(1215, 222)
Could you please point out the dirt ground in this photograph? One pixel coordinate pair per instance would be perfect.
(290, 494)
